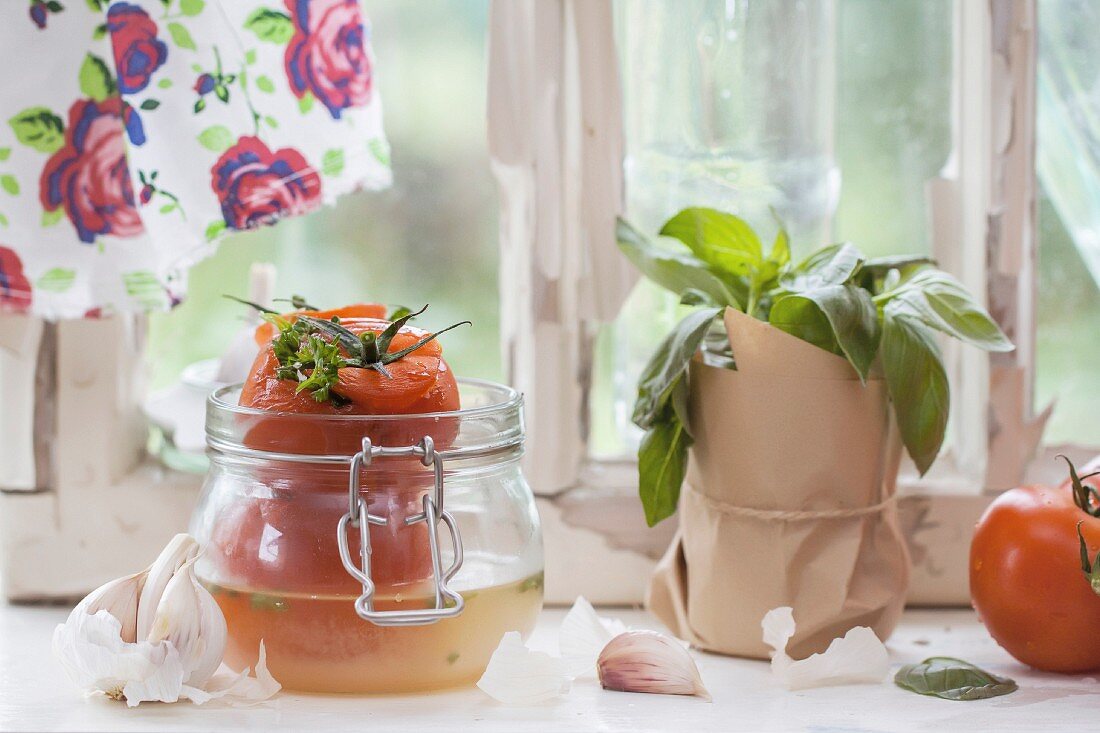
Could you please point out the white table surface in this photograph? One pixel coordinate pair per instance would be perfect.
(35, 695)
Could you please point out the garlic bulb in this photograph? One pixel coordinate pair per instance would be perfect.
(155, 635)
(646, 661)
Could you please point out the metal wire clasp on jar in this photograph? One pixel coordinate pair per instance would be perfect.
(433, 513)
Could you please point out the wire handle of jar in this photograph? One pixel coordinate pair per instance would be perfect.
(433, 513)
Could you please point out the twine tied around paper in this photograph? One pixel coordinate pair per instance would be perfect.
(790, 515)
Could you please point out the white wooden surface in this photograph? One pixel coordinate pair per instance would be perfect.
(35, 695)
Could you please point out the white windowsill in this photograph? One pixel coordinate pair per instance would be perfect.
(35, 695)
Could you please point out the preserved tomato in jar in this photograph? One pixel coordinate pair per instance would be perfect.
(397, 451)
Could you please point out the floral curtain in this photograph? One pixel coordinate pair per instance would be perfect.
(135, 134)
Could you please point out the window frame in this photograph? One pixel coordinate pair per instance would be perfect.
(984, 198)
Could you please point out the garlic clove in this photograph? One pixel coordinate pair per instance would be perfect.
(181, 549)
(189, 618)
(517, 675)
(119, 598)
(583, 635)
(646, 661)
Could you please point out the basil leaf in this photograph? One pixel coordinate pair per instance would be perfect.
(678, 272)
(717, 351)
(952, 679)
(719, 239)
(662, 463)
(942, 302)
(667, 364)
(832, 316)
(678, 399)
(882, 265)
(917, 383)
(833, 265)
(691, 296)
(781, 248)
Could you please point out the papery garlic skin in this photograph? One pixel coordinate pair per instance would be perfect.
(91, 649)
(189, 618)
(858, 657)
(517, 675)
(583, 635)
(647, 661)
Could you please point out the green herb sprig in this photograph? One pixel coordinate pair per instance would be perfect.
(312, 351)
(867, 310)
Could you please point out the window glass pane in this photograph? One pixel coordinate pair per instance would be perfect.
(1067, 351)
(893, 119)
(1068, 303)
(834, 113)
(401, 246)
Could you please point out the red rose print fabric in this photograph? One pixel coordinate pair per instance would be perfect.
(327, 56)
(89, 176)
(15, 289)
(257, 186)
(138, 133)
(137, 49)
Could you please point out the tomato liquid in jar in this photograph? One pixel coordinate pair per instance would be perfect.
(277, 489)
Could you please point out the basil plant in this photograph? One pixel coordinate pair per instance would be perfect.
(864, 309)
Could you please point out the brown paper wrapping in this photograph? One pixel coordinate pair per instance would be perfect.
(788, 501)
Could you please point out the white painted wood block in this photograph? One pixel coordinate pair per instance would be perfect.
(20, 337)
(104, 512)
(101, 431)
(63, 544)
(580, 562)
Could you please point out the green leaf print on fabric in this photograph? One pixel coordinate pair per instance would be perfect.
(181, 36)
(143, 286)
(49, 218)
(9, 184)
(192, 7)
(264, 84)
(56, 280)
(270, 25)
(216, 138)
(381, 150)
(305, 104)
(96, 80)
(213, 229)
(39, 128)
(332, 164)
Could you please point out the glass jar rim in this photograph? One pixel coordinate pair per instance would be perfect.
(493, 424)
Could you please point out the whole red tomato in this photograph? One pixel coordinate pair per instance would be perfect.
(1026, 578)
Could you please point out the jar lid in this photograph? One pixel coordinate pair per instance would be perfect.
(490, 421)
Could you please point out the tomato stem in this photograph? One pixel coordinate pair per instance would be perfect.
(1091, 569)
(1084, 496)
